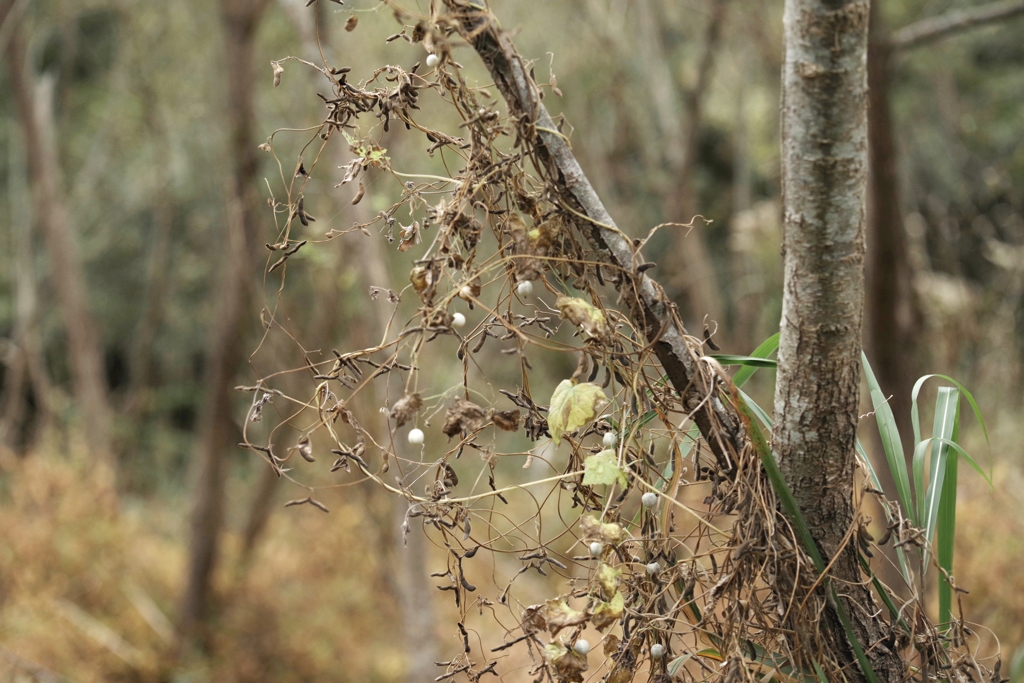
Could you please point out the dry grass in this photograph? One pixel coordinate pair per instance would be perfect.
(86, 591)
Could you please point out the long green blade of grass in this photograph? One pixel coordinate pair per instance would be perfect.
(946, 410)
(891, 443)
(916, 419)
(946, 526)
(763, 350)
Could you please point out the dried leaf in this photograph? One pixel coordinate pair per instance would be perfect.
(352, 22)
(593, 530)
(605, 614)
(603, 468)
(585, 316)
(568, 664)
(558, 615)
(410, 236)
(608, 579)
(572, 406)
(405, 408)
(506, 420)
(278, 70)
(464, 416)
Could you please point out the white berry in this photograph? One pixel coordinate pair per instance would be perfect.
(610, 439)
(415, 437)
(649, 499)
(458, 320)
(432, 60)
(466, 293)
(596, 548)
(582, 647)
(657, 650)
(653, 568)
(524, 288)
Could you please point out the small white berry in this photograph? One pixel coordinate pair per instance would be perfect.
(466, 293)
(432, 60)
(596, 548)
(524, 288)
(653, 568)
(582, 647)
(657, 651)
(649, 499)
(415, 437)
(610, 439)
(458, 320)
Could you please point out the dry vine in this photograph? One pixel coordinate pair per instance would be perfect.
(678, 554)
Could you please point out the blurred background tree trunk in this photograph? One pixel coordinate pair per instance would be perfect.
(20, 422)
(34, 102)
(217, 428)
(692, 268)
(892, 312)
(158, 274)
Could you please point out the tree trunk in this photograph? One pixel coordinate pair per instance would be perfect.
(85, 352)
(824, 182)
(240, 19)
(891, 306)
(159, 268)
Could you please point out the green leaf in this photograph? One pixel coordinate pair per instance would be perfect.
(749, 361)
(946, 412)
(603, 468)
(763, 350)
(572, 406)
(891, 443)
(673, 666)
(916, 420)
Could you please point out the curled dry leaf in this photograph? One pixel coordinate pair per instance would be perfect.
(506, 420)
(405, 408)
(352, 22)
(410, 236)
(464, 416)
(593, 530)
(567, 664)
(591, 320)
(278, 70)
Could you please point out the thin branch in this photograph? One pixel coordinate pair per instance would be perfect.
(943, 25)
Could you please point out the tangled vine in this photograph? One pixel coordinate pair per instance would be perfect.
(675, 547)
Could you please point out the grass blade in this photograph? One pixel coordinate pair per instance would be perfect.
(891, 443)
(946, 409)
(764, 349)
(946, 528)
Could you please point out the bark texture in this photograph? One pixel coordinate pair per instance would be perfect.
(50, 213)
(824, 182)
(240, 19)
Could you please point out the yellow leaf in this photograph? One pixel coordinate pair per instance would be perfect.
(572, 406)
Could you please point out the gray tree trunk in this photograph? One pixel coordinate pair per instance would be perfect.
(824, 183)
(240, 19)
(50, 213)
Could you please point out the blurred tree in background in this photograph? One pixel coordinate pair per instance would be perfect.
(134, 213)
